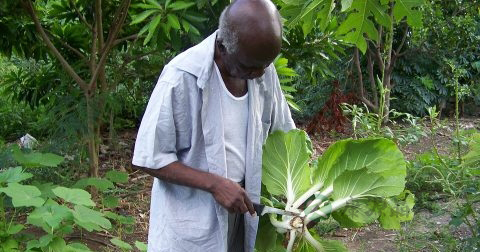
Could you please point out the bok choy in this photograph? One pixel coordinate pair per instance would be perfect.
(355, 181)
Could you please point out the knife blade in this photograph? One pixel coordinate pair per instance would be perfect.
(262, 210)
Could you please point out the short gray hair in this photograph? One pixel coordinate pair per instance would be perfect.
(227, 33)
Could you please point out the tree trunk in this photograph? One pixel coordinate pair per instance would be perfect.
(92, 139)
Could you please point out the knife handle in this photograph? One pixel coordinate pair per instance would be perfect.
(258, 208)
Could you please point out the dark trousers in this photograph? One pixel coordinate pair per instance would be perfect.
(236, 230)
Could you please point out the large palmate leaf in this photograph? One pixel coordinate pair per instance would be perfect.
(359, 22)
(285, 164)
(408, 9)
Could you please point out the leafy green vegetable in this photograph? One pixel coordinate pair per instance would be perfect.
(355, 181)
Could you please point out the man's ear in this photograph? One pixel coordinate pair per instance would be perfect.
(220, 46)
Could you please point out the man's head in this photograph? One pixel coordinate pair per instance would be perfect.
(249, 38)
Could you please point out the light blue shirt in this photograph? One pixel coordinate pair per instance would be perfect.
(183, 121)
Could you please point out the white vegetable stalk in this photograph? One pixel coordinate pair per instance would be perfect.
(328, 209)
(319, 198)
(307, 195)
(293, 235)
(313, 241)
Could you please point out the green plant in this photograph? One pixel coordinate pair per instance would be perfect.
(366, 124)
(57, 210)
(355, 181)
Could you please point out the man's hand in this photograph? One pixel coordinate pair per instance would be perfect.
(227, 193)
(232, 196)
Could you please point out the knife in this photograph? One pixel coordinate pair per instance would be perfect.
(262, 210)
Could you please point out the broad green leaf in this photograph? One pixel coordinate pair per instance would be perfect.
(110, 201)
(378, 155)
(155, 3)
(323, 245)
(285, 163)
(117, 176)
(36, 159)
(395, 210)
(77, 247)
(45, 189)
(362, 183)
(195, 18)
(52, 215)
(141, 246)
(121, 244)
(100, 183)
(358, 23)
(145, 6)
(180, 5)
(23, 195)
(14, 175)
(75, 196)
(57, 245)
(90, 219)
(266, 235)
(142, 16)
(152, 26)
(14, 228)
(408, 9)
(40, 243)
(358, 213)
(173, 20)
(186, 25)
(9, 245)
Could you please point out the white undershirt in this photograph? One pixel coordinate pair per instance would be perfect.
(235, 121)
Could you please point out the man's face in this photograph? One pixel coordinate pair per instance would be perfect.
(249, 62)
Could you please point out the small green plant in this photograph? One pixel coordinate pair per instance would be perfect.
(57, 210)
(365, 124)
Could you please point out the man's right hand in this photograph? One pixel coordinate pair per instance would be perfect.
(232, 196)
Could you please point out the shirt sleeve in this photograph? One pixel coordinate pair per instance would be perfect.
(156, 143)
(281, 116)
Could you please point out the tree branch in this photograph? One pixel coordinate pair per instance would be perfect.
(80, 16)
(403, 41)
(356, 58)
(118, 41)
(28, 6)
(117, 23)
(371, 76)
(65, 44)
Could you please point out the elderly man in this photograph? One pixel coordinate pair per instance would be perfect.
(202, 133)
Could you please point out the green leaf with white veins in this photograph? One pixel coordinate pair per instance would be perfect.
(377, 155)
(285, 164)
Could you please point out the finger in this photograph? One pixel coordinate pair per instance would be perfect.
(243, 208)
(249, 205)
